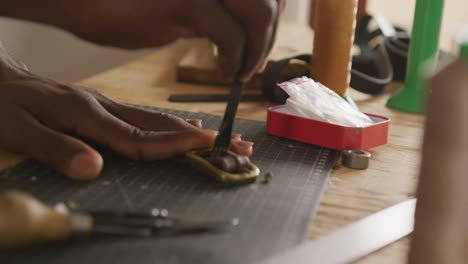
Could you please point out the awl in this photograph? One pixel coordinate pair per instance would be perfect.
(25, 220)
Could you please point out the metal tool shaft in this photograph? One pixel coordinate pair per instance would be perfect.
(223, 140)
(25, 220)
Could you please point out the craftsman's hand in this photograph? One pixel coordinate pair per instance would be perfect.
(243, 30)
(259, 20)
(40, 117)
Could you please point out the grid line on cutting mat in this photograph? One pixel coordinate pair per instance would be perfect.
(272, 216)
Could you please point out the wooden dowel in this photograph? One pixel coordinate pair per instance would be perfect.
(24, 220)
(335, 23)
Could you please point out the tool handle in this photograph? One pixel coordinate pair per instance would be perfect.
(24, 220)
(441, 227)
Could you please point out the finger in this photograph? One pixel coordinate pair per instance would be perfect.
(165, 145)
(241, 147)
(236, 136)
(104, 128)
(262, 67)
(61, 152)
(142, 118)
(198, 123)
(146, 119)
(215, 22)
(140, 144)
(260, 29)
(281, 6)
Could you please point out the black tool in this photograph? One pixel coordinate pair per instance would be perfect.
(223, 140)
(213, 98)
(154, 223)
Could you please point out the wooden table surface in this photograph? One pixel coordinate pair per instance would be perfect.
(350, 194)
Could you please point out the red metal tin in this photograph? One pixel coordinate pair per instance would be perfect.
(327, 135)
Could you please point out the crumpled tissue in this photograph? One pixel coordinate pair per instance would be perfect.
(313, 100)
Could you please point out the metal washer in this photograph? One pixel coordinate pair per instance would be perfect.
(356, 159)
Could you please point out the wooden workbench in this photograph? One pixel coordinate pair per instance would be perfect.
(350, 195)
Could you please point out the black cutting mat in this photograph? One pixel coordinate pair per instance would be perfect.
(272, 216)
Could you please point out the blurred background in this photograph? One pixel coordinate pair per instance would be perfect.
(59, 55)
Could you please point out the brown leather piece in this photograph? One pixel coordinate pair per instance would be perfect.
(230, 163)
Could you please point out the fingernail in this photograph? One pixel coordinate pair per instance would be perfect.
(196, 122)
(243, 144)
(236, 136)
(85, 166)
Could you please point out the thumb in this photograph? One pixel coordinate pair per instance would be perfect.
(61, 152)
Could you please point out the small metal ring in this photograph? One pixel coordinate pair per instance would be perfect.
(356, 159)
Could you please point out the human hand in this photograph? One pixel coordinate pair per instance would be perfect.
(43, 118)
(260, 20)
(243, 30)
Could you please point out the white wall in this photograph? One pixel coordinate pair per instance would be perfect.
(402, 12)
(297, 10)
(56, 54)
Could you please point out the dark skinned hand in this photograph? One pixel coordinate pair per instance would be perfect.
(243, 30)
(38, 117)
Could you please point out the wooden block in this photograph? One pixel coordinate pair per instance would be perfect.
(198, 66)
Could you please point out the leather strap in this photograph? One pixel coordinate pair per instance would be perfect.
(372, 69)
(397, 48)
(371, 76)
(375, 67)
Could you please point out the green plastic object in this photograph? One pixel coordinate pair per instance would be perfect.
(464, 50)
(462, 40)
(424, 49)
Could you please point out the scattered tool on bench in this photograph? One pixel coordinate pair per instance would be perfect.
(25, 220)
(356, 159)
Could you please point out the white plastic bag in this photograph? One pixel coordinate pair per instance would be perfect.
(311, 99)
